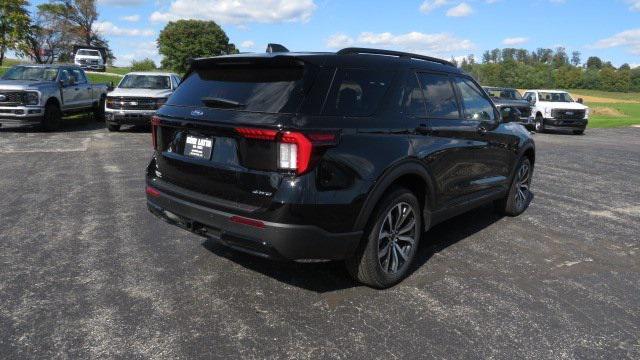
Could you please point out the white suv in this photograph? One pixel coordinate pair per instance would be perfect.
(556, 110)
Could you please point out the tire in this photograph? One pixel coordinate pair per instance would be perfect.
(98, 112)
(578, 132)
(113, 127)
(373, 266)
(538, 125)
(52, 117)
(519, 196)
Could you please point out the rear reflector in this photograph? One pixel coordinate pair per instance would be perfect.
(246, 221)
(259, 134)
(152, 192)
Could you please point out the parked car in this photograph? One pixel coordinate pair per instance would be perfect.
(349, 155)
(90, 58)
(507, 99)
(556, 110)
(137, 97)
(43, 94)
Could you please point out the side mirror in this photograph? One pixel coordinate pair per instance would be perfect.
(509, 114)
(580, 101)
(110, 87)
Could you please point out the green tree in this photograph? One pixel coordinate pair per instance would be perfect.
(184, 39)
(14, 24)
(143, 65)
(594, 62)
(75, 20)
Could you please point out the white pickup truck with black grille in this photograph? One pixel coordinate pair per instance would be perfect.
(556, 110)
(137, 97)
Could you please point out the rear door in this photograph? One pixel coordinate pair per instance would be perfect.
(218, 131)
(84, 92)
(447, 141)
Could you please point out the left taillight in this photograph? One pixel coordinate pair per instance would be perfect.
(155, 123)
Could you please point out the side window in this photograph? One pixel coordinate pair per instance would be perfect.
(64, 75)
(476, 105)
(412, 99)
(439, 96)
(79, 76)
(357, 92)
(175, 81)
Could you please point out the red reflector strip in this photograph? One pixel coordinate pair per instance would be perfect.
(152, 192)
(249, 222)
(260, 134)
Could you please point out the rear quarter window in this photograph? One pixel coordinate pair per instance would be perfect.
(357, 92)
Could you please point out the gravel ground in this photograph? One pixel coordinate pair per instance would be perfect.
(87, 272)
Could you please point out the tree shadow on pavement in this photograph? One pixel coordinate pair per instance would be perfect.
(330, 276)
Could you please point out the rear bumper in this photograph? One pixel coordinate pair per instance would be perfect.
(261, 238)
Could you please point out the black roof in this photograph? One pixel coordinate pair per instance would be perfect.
(355, 57)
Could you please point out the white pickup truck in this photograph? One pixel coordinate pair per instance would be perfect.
(137, 97)
(43, 94)
(556, 110)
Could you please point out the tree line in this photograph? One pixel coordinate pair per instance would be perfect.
(51, 32)
(548, 68)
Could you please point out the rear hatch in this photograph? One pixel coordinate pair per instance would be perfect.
(216, 135)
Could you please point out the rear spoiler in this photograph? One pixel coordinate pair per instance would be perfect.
(235, 60)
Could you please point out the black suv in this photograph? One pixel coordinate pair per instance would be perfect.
(349, 155)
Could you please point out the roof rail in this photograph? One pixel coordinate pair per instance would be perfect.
(355, 50)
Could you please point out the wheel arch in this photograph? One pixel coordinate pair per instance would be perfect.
(410, 174)
(53, 100)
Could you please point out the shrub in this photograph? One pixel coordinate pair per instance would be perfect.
(143, 65)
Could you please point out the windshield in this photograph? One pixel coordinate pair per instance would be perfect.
(508, 94)
(31, 73)
(89, 52)
(242, 88)
(145, 82)
(555, 97)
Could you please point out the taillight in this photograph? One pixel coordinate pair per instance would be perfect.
(294, 148)
(155, 122)
(153, 192)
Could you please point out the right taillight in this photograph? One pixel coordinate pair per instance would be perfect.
(294, 148)
(155, 122)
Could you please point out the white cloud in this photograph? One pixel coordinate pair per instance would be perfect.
(121, 2)
(514, 41)
(108, 28)
(463, 9)
(629, 39)
(238, 12)
(247, 44)
(131, 18)
(145, 49)
(439, 44)
(429, 5)
(635, 5)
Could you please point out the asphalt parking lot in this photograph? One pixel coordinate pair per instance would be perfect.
(87, 272)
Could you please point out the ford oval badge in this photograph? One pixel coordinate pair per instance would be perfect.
(197, 113)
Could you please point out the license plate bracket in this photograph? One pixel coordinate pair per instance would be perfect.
(198, 147)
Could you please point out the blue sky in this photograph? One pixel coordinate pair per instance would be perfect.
(606, 28)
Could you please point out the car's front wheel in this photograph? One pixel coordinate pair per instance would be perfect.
(519, 196)
(52, 117)
(113, 127)
(391, 241)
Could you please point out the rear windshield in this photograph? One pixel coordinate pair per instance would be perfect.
(257, 89)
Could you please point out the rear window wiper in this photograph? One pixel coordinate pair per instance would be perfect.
(220, 102)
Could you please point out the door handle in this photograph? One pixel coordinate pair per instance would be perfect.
(423, 129)
(77, 89)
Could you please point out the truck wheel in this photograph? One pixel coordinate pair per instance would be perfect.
(539, 124)
(52, 117)
(519, 196)
(391, 241)
(98, 113)
(113, 127)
